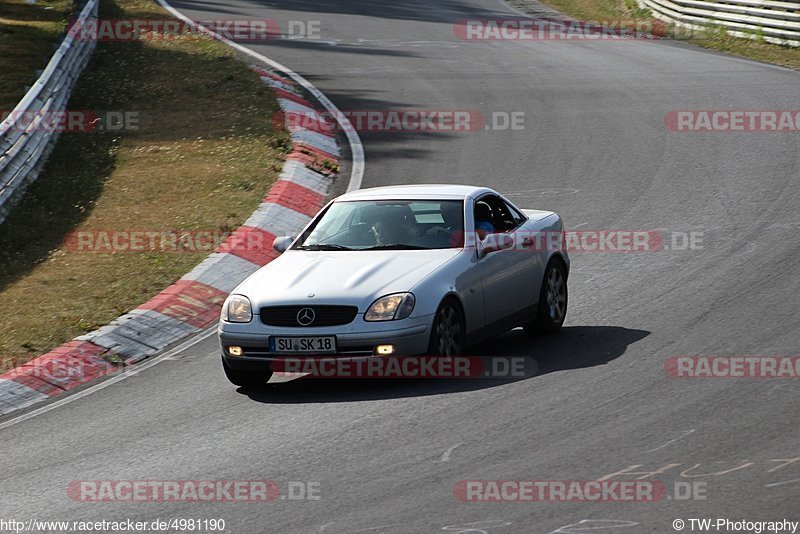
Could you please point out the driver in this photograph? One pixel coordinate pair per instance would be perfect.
(483, 220)
(391, 232)
(452, 219)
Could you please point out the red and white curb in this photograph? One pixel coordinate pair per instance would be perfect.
(193, 303)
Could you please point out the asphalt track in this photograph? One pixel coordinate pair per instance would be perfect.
(388, 453)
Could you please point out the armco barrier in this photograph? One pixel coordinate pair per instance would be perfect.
(25, 144)
(776, 21)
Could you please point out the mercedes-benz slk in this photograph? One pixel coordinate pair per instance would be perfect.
(395, 271)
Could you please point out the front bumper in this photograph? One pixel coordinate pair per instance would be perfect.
(354, 341)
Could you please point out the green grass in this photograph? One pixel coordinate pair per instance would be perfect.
(29, 34)
(714, 38)
(203, 159)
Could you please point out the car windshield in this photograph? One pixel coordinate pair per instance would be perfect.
(387, 225)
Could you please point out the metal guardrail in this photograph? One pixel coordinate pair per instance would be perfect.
(775, 21)
(26, 140)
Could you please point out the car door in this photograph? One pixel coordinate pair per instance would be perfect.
(506, 275)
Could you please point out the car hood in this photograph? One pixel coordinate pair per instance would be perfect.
(347, 277)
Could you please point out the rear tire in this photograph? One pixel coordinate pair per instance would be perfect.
(246, 379)
(552, 308)
(447, 332)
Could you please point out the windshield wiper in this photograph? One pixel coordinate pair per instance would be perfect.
(323, 246)
(396, 246)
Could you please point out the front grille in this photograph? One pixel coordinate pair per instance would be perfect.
(287, 316)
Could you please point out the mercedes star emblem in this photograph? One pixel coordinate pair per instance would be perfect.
(305, 316)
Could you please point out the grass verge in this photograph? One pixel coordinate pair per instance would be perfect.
(714, 38)
(205, 152)
(29, 34)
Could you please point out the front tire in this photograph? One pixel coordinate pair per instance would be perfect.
(447, 332)
(246, 379)
(552, 308)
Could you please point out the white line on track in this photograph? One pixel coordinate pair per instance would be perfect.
(122, 375)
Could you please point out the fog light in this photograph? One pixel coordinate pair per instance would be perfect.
(384, 350)
(235, 351)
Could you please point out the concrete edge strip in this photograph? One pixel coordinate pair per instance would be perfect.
(188, 307)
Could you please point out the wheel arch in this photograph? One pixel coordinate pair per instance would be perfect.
(559, 257)
(455, 297)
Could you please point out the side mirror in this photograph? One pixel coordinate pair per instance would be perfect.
(281, 243)
(494, 243)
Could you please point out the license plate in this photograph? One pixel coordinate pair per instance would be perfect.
(304, 345)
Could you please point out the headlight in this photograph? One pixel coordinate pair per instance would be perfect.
(237, 309)
(391, 307)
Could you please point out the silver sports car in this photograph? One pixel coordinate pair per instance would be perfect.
(401, 270)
